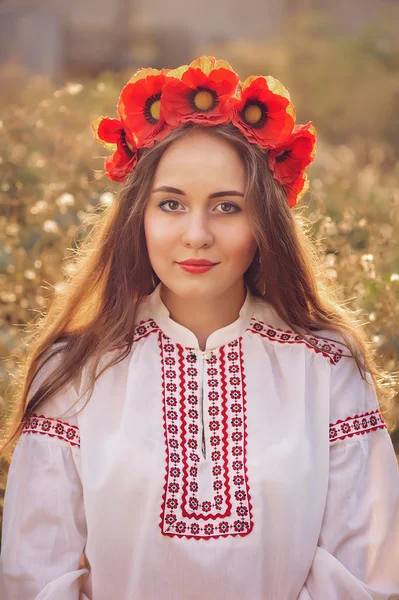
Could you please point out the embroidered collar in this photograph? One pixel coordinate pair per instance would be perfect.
(185, 337)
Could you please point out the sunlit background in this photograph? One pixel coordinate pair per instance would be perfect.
(62, 64)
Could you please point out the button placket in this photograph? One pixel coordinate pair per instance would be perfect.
(206, 355)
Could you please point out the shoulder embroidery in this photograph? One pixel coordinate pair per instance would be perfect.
(188, 508)
(357, 425)
(53, 428)
(144, 329)
(289, 337)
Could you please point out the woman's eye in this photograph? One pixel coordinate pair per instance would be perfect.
(162, 204)
(237, 208)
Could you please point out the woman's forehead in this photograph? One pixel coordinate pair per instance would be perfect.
(200, 156)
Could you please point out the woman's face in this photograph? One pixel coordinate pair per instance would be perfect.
(197, 209)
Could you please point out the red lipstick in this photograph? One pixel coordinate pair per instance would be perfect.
(196, 261)
(196, 265)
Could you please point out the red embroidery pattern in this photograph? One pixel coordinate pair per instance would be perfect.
(185, 512)
(144, 329)
(53, 428)
(357, 425)
(289, 337)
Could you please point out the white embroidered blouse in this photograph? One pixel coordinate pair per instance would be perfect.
(258, 469)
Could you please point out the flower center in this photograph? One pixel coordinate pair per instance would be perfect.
(283, 156)
(152, 108)
(125, 145)
(255, 114)
(204, 100)
(155, 109)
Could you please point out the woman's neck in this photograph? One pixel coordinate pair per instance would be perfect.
(205, 314)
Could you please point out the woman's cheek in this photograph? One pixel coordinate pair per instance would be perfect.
(157, 231)
(242, 244)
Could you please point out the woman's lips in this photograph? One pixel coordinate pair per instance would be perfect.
(196, 268)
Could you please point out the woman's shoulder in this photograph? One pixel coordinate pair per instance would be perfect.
(270, 324)
(353, 396)
(54, 420)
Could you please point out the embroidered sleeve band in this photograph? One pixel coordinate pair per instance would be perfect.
(53, 428)
(357, 425)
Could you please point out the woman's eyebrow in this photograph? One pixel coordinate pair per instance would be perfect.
(172, 190)
(227, 193)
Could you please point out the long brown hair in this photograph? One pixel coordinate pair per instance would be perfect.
(94, 311)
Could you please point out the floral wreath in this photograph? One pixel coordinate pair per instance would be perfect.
(209, 92)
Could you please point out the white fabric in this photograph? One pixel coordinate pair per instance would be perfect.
(317, 507)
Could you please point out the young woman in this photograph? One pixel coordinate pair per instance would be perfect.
(200, 418)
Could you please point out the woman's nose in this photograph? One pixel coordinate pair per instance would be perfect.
(196, 230)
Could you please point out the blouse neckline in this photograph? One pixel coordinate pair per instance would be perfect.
(186, 338)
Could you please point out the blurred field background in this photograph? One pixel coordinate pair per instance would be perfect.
(341, 69)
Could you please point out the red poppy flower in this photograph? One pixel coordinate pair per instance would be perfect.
(288, 161)
(139, 106)
(264, 112)
(112, 135)
(297, 189)
(202, 92)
